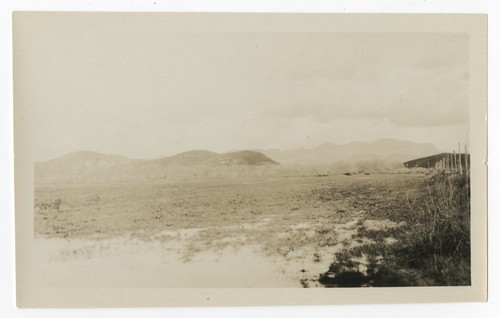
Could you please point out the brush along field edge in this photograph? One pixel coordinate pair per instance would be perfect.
(474, 25)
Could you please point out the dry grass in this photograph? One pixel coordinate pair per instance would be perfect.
(430, 245)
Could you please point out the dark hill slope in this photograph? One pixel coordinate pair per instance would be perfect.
(89, 167)
(246, 157)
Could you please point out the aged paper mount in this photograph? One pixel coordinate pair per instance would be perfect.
(34, 291)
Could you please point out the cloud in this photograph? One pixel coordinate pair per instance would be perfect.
(144, 92)
(414, 94)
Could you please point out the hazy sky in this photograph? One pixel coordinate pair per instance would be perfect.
(143, 91)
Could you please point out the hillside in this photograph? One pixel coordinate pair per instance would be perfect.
(88, 166)
(188, 158)
(246, 157)
(208, 158)
(81, 159)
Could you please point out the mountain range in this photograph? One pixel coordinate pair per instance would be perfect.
(383, 149)
(89, 166)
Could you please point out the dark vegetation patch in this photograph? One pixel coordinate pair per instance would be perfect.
(430, 246)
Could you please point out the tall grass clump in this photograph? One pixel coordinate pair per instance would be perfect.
(439, 237)
(431, 247)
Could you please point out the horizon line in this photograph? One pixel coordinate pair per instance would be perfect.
(239, 150)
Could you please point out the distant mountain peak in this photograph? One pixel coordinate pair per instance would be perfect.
(381, 149)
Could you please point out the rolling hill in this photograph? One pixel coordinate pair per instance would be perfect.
(188, 158)
(245, 157)
(89, 166)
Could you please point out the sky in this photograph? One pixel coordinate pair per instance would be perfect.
(143, 90)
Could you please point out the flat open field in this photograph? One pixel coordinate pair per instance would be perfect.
(262, 232)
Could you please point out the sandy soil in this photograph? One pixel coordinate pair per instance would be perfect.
(279, 232)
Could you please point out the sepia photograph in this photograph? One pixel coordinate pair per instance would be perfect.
(203, 153)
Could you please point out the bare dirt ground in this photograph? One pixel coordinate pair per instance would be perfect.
(280, 232)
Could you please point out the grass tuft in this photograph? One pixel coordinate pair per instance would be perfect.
(431, 247)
